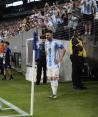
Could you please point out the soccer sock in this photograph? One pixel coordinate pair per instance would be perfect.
(54, 86)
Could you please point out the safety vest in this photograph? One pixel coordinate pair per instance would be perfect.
(1, 48)
(80, 53)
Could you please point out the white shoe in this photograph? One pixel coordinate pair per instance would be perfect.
(53, 96)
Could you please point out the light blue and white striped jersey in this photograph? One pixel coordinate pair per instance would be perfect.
(87, 8)
(52, 50)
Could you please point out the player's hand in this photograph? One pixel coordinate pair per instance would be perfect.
(57, 61)
(80, 47)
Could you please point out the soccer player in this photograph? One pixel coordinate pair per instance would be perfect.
(53, 59)
(7, 59)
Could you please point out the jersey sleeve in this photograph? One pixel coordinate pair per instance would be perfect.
(59, 45)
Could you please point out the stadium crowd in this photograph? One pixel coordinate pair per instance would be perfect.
(49, 17)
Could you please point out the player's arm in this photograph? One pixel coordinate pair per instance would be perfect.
(80, 45)
(46, 49)
(10, 55)
(60, 46)
(46, 54)
(63, 53)
(82, 2)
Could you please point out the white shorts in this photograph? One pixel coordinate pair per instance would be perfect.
(53, 72)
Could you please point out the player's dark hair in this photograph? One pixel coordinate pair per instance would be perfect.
(6, 42)
(49, 31)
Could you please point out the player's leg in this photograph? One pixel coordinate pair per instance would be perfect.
(5, 73)
(10, 73)
(39, 72)
(54, 81)
(54, 87)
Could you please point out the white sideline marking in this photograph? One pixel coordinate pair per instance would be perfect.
(3, 109)
(15, 115)
(20, 111)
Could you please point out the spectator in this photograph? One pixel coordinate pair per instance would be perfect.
(88, 10)
(72, 21)
(48, 23)
(7, 59)
(65, 18)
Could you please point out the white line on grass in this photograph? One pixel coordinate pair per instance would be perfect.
(17, 109)
(16, 115)
(3, 109)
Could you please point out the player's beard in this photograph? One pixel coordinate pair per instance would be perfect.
(49, 39)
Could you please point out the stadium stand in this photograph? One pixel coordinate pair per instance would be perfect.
(24, 18)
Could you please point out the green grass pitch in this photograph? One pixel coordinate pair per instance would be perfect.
(70, 102)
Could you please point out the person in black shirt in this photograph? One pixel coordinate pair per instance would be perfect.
(41, 62)
(7, 61)
(77, 56)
